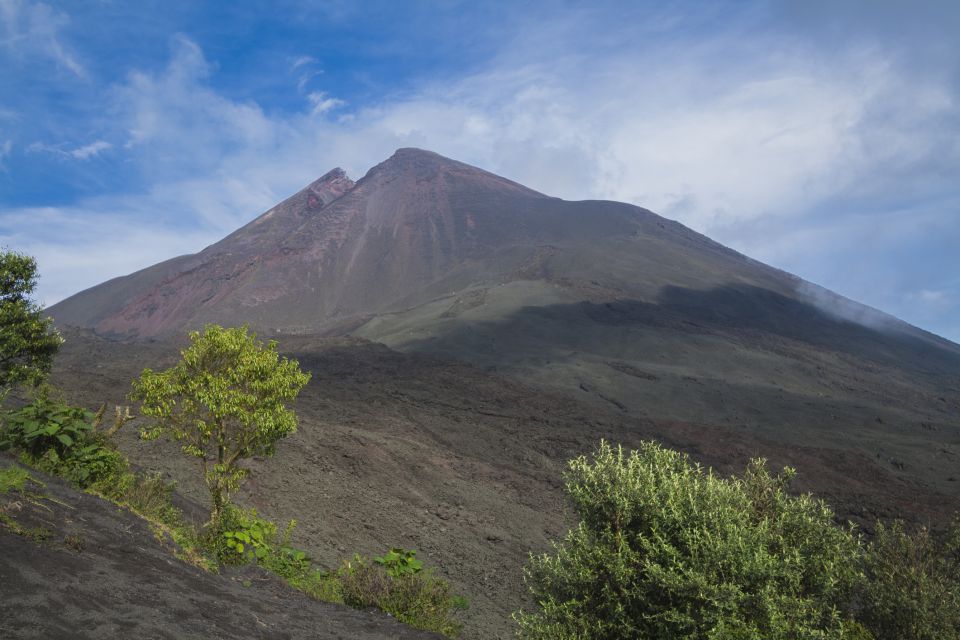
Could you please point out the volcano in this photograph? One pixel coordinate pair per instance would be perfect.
(468, 335)
(418, 227)
(602, 300)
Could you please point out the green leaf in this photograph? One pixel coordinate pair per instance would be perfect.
(65, 439)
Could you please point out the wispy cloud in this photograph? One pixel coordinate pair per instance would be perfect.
(33, 28)
(306, 69)
(84, 152)
(301, 61)
(90, 150)
(322, 103)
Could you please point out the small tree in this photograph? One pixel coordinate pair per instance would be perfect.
(28, 341)
(225, 401)
(665, 549)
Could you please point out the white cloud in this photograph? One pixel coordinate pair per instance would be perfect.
(90, 150)
(322, 103)
(78, 247)
(80, 153)
(33, 28)
(301, 61)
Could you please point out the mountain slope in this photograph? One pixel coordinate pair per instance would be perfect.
(416, 227)
(521, 329)
(601, 300)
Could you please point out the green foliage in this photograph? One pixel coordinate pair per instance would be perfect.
(400, 562)
(60, 439)
(224, 401)
(665, 549)
(46, 425)
(413, 596)
(913, 586)
(28, 341)
(244, 536)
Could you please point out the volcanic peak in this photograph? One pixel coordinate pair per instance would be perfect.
(420, 168)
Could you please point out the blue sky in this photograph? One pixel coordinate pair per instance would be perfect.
(820, 137)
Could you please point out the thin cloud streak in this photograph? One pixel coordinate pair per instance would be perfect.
(34, 29)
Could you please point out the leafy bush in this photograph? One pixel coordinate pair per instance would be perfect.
(913, 584)
(243, 536)
(400, 562)
(665, 549)
(28, 341)
(413, 596)
(46, 425)
(60, 439)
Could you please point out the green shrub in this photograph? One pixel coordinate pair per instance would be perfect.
(413, 596)
(151, 496)
(224, 401)
(46, 425)
(400, 562)
(60, 439)
(913, 584)
(28, 341)
(665, 549)
(319, 584)
(242, 535)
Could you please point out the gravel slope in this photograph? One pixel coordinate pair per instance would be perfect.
(101, 572)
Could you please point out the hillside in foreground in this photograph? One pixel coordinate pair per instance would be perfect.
(88, 569)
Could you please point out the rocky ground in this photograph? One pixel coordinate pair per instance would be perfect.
(83, 568)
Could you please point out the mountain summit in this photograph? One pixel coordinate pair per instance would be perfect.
(415, 226)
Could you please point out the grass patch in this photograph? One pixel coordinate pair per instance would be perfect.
(15, 479)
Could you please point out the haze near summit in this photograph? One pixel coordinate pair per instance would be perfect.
(818, 139)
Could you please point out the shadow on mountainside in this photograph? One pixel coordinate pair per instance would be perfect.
(758, 317)
(89, 569)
